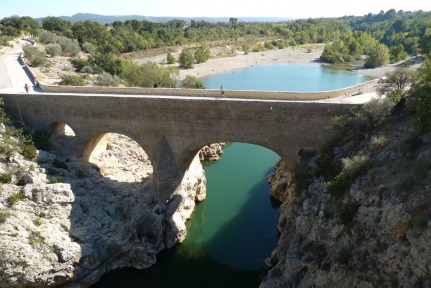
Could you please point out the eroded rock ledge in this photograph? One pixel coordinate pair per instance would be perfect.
(75, 221)
(376, 234)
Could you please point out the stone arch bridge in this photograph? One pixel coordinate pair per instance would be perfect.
(172, 130)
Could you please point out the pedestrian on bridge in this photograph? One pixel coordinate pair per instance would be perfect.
(222, 91)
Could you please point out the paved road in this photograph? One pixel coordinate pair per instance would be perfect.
(13, 77)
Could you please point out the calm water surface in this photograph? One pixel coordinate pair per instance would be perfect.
(235, 228)
(285, 77)
(230, 233)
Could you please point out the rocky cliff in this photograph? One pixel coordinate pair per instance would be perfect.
(366, 225)
(66, 222)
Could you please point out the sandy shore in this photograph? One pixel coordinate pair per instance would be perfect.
(292, 55)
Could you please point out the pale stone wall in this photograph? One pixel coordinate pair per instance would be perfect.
(247, 94)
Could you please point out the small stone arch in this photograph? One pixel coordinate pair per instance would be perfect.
(61, 137)
(61, 128)
(118, 157)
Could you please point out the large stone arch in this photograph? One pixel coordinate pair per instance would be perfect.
(103, 149)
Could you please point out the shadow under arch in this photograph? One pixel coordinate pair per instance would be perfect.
(118, 157)
(61, 137)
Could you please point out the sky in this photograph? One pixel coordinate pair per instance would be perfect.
(201, 8)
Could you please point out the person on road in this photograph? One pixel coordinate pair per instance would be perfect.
(222, 91)
(26, 87)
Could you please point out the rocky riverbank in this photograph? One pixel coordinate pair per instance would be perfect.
(66, 222)
(375, 234)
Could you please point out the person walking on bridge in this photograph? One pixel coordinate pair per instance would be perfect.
(222, 91)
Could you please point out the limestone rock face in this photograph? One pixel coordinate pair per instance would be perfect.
(211, 152)
(68, 222)
(376, 233)
(281, 182)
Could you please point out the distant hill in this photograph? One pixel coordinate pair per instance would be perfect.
(104, 19)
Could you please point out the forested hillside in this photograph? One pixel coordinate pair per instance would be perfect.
(376, 39)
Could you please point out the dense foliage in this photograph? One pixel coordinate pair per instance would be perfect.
(378, 38)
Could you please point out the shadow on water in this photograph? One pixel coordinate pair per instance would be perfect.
(239, 245)
(232, 256)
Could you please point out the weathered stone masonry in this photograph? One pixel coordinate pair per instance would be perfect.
(172, 130)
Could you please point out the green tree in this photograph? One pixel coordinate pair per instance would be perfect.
(396, 84)
(246, 48)
(148, 75)
(192, 82)
(53, 49)
(187, 59)
(72, 80)
(425, 42)
(170, 59)
(202, 54)
(89, 48)
(378, 55)
(421, 95)
(108, 62)
(397, 53)
(58, 25)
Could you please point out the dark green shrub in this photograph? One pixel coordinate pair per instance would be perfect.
(38, 60)
(339, 185)
(202, 54)
(29, 151)
(70, 47)
(52, 171)
(81, 173)
(60, 164)
(192, 82)
(106, 79)
(6, 178)
(170, 59)
(53, 180)
(35, 238)
(15, 198)
(72, 80)
(187, 59)
(89, 48)
(79, 64)
(348, 211)
(53, 49)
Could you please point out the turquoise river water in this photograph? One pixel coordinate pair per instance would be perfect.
(232, 232)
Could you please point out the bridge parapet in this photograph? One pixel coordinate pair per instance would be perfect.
(244, 94)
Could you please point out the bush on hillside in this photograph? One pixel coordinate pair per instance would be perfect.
(192, 82)
(53, 49)
(72, 80)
